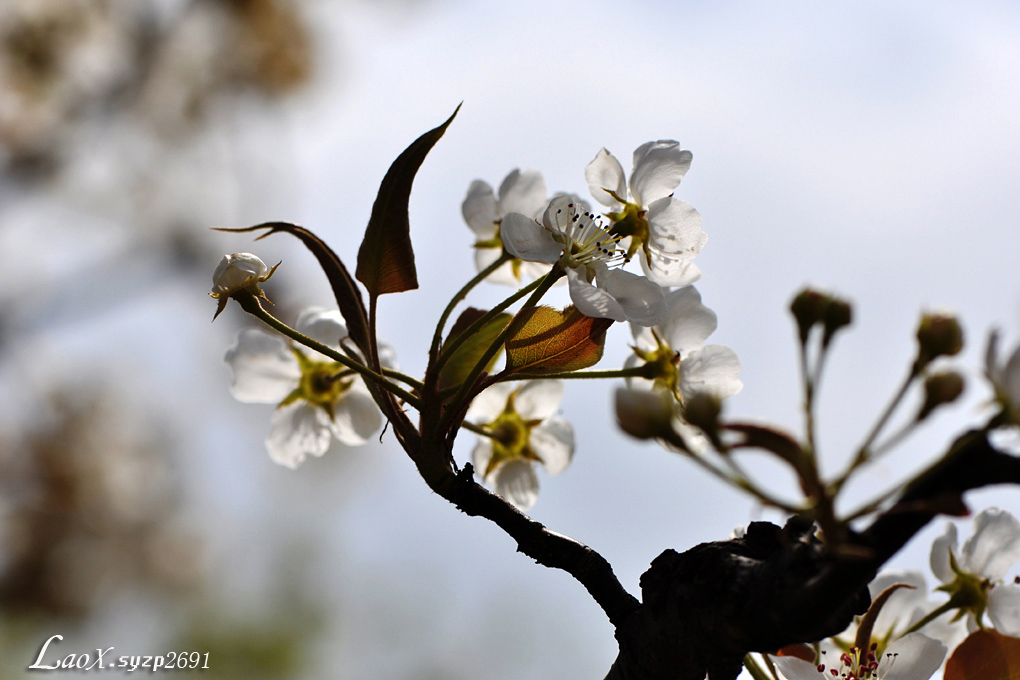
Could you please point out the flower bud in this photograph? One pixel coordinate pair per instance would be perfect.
(938, 334)
(702, 410)
(644, 414)
(240, 272)
(940, 388)
(837, 314)
(808, 309)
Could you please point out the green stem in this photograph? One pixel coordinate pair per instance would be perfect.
(250, 304)
(948, 606)
(864, 451)
(437, 337)
(636, 372)
(541, 287)
(468, 332)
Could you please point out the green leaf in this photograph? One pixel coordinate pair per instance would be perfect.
(386, 259)
(348, 297)
(464, 358)
(985, 655)
(546, 340)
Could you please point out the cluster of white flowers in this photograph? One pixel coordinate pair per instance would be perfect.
(895, 653)
(643, 219)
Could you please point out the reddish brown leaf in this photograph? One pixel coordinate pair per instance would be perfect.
(386, 259)
(985, 655)
(546, 340)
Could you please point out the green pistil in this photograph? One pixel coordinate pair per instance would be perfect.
(666, 366)
(511, 436)
(322, 383)
(632, 221)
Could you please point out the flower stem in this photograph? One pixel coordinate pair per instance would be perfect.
(437, 337)
(636, 372)
(250, 304)
(541, 287)
(454, 343)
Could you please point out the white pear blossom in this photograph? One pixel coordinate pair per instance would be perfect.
(891, 652)
(911, 657)
(1005, 378)
(974, 574)
(526, 430)
(318, 399)
(521, 192)
(683, 364)
(575, 238)
(666, 229)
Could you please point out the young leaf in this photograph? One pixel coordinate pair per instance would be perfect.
(545, 340)
(985, 655)
(386, 259)
(459, 365)
(345, 290)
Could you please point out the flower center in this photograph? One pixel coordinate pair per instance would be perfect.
(856, 664)
(584, 239)
(510, 437)
(322, 383)
(665, 367)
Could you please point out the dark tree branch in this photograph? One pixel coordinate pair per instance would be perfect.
(546, 547)
(704, 609)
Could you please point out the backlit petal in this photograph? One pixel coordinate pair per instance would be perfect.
(658, 169)
(296, 431)
(523, 192)
(539, 399)
(605, 172)
(264, 367)
(553, 441)
(517, 482)
(479, 209)
(526, 239)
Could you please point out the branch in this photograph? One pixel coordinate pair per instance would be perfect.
(704, 609)
(546, 547)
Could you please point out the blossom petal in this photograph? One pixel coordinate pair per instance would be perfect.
(592, 301)
(490, 403)
(553, 441)
(675, 227)
(322, 325)
(904, 607)
(523, 192)
(1004, 609)
(688, 323)
(503, 275)
(526, 239)
(658, 169)
(517, 482)
(792, 668)
(481, 455)
(480, 210)
(538, 399)
(356, 417)
(296, 431)
(643, 302)
(940, 549)
(912, 657)
(668, 270)
(994, 546)
(605, 172)
(714, 369)
(264, 367)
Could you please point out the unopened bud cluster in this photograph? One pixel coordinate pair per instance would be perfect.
(811, 307)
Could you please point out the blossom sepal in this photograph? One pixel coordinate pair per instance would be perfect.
(239, 274)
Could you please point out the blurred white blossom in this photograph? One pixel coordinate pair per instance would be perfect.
(525, 430)
(318, 399)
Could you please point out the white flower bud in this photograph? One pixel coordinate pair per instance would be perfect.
(238, 271)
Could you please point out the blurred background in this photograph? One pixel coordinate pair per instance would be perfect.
(871, 152)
